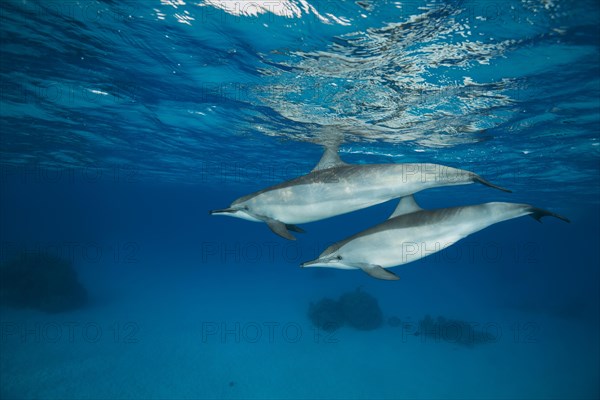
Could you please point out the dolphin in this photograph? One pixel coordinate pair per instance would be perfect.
(412, 233)
(334, 187)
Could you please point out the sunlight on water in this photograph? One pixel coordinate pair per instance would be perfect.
(398, 78)
(404, 81)
(285, 8)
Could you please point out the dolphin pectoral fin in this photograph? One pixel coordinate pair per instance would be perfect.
(294, 228)
(377, 271)
(477, 178)
(538, 213)
(279, 228)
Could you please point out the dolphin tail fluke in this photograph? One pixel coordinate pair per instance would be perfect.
(477, 178)
(280, 229)
(538, 214)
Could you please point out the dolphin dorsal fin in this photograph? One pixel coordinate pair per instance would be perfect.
(329, 159)
(406, 205)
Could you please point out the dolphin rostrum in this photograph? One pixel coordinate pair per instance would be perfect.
(334, 187)
(412, 233)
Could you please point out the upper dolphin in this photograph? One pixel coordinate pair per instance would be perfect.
(334, 187)
(412, 233)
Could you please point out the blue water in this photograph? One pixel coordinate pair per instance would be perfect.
(123, 123)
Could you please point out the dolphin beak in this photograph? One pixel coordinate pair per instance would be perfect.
(223, 211)
(319, 262)
(309, 263)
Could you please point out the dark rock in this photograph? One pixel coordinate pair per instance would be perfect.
(361, 310)
(326, 314)
(357, 309)
(453, 331)
(41, 281)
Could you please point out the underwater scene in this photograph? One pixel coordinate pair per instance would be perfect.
(299, 199)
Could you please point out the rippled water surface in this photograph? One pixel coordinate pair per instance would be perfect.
(171, 86)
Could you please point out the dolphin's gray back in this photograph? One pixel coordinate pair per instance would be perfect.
(417, 219)
(425, 175)
(467, 219)
(327, 175)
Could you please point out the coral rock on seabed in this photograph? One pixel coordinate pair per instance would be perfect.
(326, 315)
(361, 310)
(454, 331)
(40, 281)
(357, 309)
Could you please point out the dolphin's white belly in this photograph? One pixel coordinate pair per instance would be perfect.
(397, 246)
(307, 203)
(401, 246)
(336, 192)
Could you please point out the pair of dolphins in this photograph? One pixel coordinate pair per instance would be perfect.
(334, 187)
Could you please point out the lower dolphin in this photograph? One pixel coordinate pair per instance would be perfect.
(412, 233)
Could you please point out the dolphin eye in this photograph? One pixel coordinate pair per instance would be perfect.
(339, 257)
